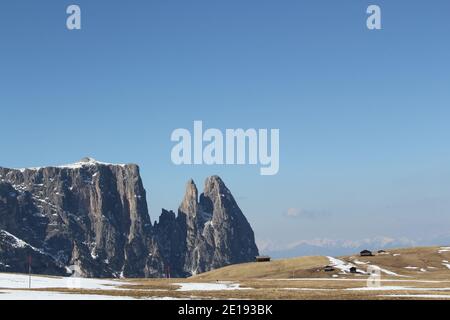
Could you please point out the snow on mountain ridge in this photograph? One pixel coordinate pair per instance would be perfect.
(85, 162)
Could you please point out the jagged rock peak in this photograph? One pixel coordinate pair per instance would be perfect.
(215, 185)
(189, 205)
(191, 184)
(215, 230)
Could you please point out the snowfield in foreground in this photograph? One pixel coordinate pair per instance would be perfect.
(21, 281)
(14, 287)
(47, 295)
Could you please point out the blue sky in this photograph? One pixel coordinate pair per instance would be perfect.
(363, 115)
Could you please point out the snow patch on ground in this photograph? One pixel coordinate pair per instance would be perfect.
(49, 295)
(208, 286)
(342, 265)
(360, 262)
(20, 281)
(388, 272)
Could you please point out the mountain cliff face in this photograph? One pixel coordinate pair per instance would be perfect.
(93, 217)
(89, 214)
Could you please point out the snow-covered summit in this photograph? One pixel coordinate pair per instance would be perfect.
(85, 162)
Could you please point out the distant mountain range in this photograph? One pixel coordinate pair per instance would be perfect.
(330, 247)
(92, 217)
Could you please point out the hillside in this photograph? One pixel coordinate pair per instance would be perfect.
(411, 262)
(276, 269)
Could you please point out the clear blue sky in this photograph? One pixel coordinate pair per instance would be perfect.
(363, 115)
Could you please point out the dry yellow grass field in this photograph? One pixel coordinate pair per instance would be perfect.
(277, 269)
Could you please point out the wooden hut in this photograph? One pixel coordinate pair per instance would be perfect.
(366, 253)
(262, 259)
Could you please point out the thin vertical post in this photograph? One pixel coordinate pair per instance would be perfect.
(29, 272)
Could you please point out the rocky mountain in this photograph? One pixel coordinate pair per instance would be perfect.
(210, 231)
(93, 217)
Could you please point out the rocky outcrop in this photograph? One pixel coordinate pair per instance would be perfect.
(94, 216)
(89, 214)
(209, 232)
